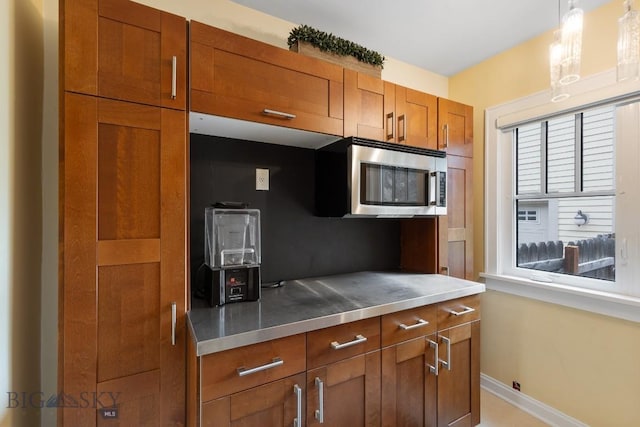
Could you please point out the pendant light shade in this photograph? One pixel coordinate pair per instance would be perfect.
(628, 43)
(558, 91)
(571, 41)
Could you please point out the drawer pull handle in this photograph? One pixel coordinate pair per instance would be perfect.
(447, 364)
(287, 116)
(435, 368)
(174, 319)
(298, 392)
(275, 363)
(358, 339)
(174, 76)
(319, 413)
(419, 323)
(466, 310)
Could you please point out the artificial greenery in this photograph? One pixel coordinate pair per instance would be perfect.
(330, 43)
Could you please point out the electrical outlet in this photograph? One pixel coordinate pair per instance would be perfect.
(262, 179)
(516, 385)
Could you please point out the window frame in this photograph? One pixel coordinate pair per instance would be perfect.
(622, 300)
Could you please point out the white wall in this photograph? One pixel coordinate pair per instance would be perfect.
(21, 69)
(49, 306)
(6, 148)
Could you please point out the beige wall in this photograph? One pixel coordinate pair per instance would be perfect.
(21, 74)
(257, 25)
(582, 364)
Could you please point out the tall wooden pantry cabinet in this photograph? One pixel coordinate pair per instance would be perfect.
(122, 214)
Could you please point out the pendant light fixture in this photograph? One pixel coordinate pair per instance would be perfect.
(628, 43)
(571, 41)
(558, 91)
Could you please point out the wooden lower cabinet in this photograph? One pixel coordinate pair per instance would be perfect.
(427, 373)
(345, 393)
(277, 404)
(409, 388)
(459, 380)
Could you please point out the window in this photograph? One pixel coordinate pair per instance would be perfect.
(577, 165)
(564, 194)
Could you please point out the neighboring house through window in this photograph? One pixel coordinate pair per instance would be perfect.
(562, 197)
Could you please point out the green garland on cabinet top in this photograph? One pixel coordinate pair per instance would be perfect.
(330, 43)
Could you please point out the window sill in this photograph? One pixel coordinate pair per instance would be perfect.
(608, 304)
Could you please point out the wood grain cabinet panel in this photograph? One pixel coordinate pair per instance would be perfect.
(123, 250)
(271, 405)
(455, 124)
(364, 98)
(220, 371)
(408, 324)
(459, 384)
(409, 388)
(388, 112)
(234, 76)
(124, 50)
(350, 392)
(416, 115)
(460, 216)
(351, 339)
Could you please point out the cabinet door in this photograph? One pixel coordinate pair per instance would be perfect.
(364, 106)
(123, 260)
(455, 122)
(416, 118)
(124, 50)
(459, 219)
(277, 404)
(345, 393)
(409, 391)
(234, 76)
(459, 381)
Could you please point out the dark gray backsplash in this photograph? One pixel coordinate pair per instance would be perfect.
(295, 243)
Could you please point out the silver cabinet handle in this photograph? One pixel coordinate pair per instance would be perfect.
(174, 77)
(319, 413)
(297, 422)
(358, 339)
(420, 323)
(445, 129)
(435, 368)
(466, 310)
(447, 364)
(287, 116)
(242, 371)
(174, 319)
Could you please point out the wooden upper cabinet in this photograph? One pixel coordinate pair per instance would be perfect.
(459, 220)
(455, 124)
(123, 50)
(237, 77)
(388, 112)
(364, 99)
(416, 118)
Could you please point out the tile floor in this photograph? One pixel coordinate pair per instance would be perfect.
(495, 412)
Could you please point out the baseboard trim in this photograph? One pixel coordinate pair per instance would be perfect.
(528, 404)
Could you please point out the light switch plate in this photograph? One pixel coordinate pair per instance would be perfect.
(262, 179)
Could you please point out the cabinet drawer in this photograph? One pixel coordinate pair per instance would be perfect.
(249, 366)
(458, 311)
(340, 342)
(408, 324)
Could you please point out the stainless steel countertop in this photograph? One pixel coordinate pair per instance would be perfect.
(308, 304)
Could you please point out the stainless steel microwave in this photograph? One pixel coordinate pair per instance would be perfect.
(361, 177)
